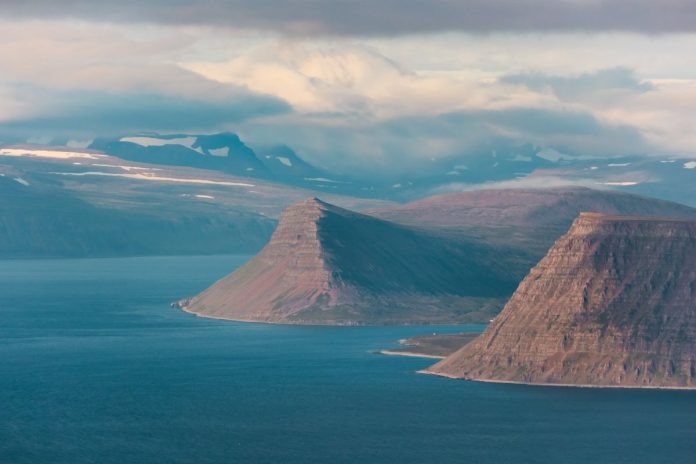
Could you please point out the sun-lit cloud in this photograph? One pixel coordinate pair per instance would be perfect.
(344, 78)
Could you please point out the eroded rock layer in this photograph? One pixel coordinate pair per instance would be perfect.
(613, 303)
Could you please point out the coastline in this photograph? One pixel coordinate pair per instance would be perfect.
(258, 321)
(410, 354)
(178, 305)
(558, 385)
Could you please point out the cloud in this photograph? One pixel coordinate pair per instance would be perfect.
(347, 79)
(91, 113)
(381, 17)
(397, 146)
(378, 107)
(602, 84)
(78, 55)
(89, 79)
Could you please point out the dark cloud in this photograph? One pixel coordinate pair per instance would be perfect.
(90, 113)
(381, 17)
(621, 80)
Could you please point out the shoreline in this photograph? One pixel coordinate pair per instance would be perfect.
(410, 354)
(257, 321)
(556, 385)
(186, 309)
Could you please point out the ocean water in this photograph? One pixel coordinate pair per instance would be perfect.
(95, 367)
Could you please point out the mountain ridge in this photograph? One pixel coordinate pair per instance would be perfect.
(528, 220)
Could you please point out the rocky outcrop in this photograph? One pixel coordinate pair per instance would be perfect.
(613, 303)
(328, 265)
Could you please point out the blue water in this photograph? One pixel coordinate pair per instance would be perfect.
(95, 367)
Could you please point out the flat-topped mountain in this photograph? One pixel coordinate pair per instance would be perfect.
(613, 303)
(328, 265)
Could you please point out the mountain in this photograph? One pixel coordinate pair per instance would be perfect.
(498, 163)
(225, 152)
(529, 220)
(329, 265)
(667, 178)
(44, 221)
(613, 303)
(283, 162)
(56, 202)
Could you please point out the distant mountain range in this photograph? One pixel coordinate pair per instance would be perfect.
(119, 208)
(501, 163)
(224, 152)
(56, 202)
(452, 258)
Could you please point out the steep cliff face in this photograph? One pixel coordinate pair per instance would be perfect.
(613, 303)
(328, 265)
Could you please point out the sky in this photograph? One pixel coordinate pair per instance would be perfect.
(357, 85)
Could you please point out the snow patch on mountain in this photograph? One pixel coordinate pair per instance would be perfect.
(284, 160)
(621, 184)
(56, 154)
(125, 168)
(224, 151)
(324, 179)
(150, 177)
(158, 142)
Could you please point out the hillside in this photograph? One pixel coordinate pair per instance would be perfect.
(44, 222)
(529, 220)
(77, 203)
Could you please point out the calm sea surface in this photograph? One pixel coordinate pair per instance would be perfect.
(95, 367)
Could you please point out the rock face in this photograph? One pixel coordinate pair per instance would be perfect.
(328, 265)
(613, 303)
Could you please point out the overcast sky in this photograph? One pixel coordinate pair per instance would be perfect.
(359, 83)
